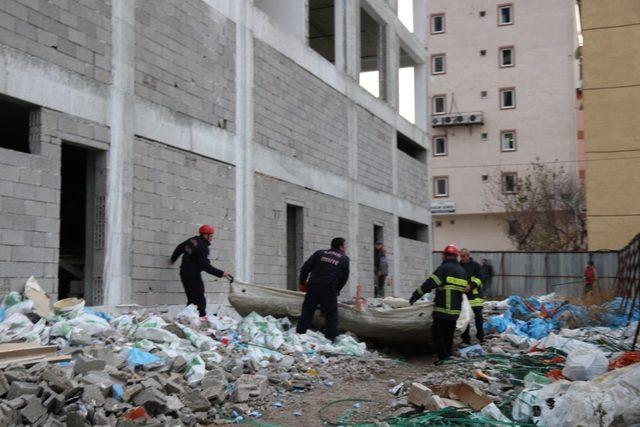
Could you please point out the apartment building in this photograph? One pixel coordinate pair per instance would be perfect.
(502, 87)
(129, 123)
(611, 70)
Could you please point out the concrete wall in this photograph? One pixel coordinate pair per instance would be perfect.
(257, 120)
(545, 113)
(185, 59)
(173, 191)
(475, 232)
(297, 115)
(611, 33)
(414, 263)
(73, 34)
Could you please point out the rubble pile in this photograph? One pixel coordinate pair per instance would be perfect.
(144, 367)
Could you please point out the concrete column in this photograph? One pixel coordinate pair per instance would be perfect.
(119, 205)
(420, 20)
(339, 26)
(392, 64)
(352, 37)
(395, 269)
(354, 207)
(244, 242)
(421, 99)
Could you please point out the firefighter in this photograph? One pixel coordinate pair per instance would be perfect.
(450, 282)
(475, 295)
(326, 273)
(195, 259)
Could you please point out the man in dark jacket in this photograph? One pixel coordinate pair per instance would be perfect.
(475, 295)
(326, 272)
(195, 259)
(450, 282)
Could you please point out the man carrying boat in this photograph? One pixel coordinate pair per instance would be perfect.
(326, 273)
(450, 282)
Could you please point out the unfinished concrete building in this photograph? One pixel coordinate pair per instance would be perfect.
(127, 124)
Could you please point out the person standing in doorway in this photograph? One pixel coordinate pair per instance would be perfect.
(475, 294)
(381, 267)
(486, 275)
(326, 272)
(450, 282)
(590, 277)
(195, 260)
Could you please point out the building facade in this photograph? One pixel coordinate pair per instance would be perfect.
(502, 86)
(130, 123)
(611, 72)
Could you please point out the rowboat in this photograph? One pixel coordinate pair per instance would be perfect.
(388, 326)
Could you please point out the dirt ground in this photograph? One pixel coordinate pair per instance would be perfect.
(369, 399)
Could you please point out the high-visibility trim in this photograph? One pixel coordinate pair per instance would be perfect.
(420, 291)
(455, 288)
(446, 311)
(436, 279)
(447, 292)
(456, 281)
(477, 281)
(476, 302)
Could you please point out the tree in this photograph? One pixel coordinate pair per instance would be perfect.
(545, 209)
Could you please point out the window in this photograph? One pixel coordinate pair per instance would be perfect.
(507, 98)
(441, 186)
(410, 147)
(439, 104)
(509, 182)
(438, 64)
(413, 230)
(483, 52)
(437, 23)
(482, 13)
(321, 32)
(508, 140)
(406, 86)
(484, 136)
(438, 223)
(505, 14)
(507, 57)
(439, 145)
(485, 178)
(372, 58)
(15, 124)
(483, 94)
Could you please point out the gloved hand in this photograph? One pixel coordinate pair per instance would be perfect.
(415, 297)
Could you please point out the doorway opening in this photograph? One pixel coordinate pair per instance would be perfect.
(295, 245)
(82, 227)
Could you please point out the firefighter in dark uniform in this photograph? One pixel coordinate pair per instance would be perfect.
(326, 273)
(450, 282)
(475, 295)
(195, 259)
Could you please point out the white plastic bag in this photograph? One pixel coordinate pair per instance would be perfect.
(189, 315)
(200, 341)
(584, 365)
(195, 370)
(466, 314)
(155, 334)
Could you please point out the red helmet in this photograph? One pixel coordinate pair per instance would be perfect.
(206, 229)
(451, 250)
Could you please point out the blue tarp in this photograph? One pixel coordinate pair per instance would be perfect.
(523, 321)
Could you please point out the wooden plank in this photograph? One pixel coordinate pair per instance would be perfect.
(26, 361)
(19, 350)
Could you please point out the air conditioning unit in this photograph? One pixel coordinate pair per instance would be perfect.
(457, 119)
(473, 118)
(437, 121)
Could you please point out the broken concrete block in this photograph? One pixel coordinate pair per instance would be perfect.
(249, 387)
(54, 403)
(76, 419)
(79, 337)
(19, 388)
(56, 378)
(131, 391)
(174, 404)
(34, 412)
(179, 364)
(173, 387)
(17, 403)
(97, 378)
(84, 364)
(151, 383)
(4, 385)
(8, 415)
(241, 408)
(153, 400)
(419, 394)
(195, 401)
(93, 395)
(435, 403)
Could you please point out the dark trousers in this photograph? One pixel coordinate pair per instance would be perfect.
(327, 299)
(442, 334)
(379, 289)
(194, 288)
(477, 314)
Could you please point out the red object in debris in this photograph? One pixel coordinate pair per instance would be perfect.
(136, 413)
(555, 360)
(555, 374)
(225, 341)
(627, 358)
(543, 312)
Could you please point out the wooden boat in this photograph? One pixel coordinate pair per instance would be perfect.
(389, 326)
